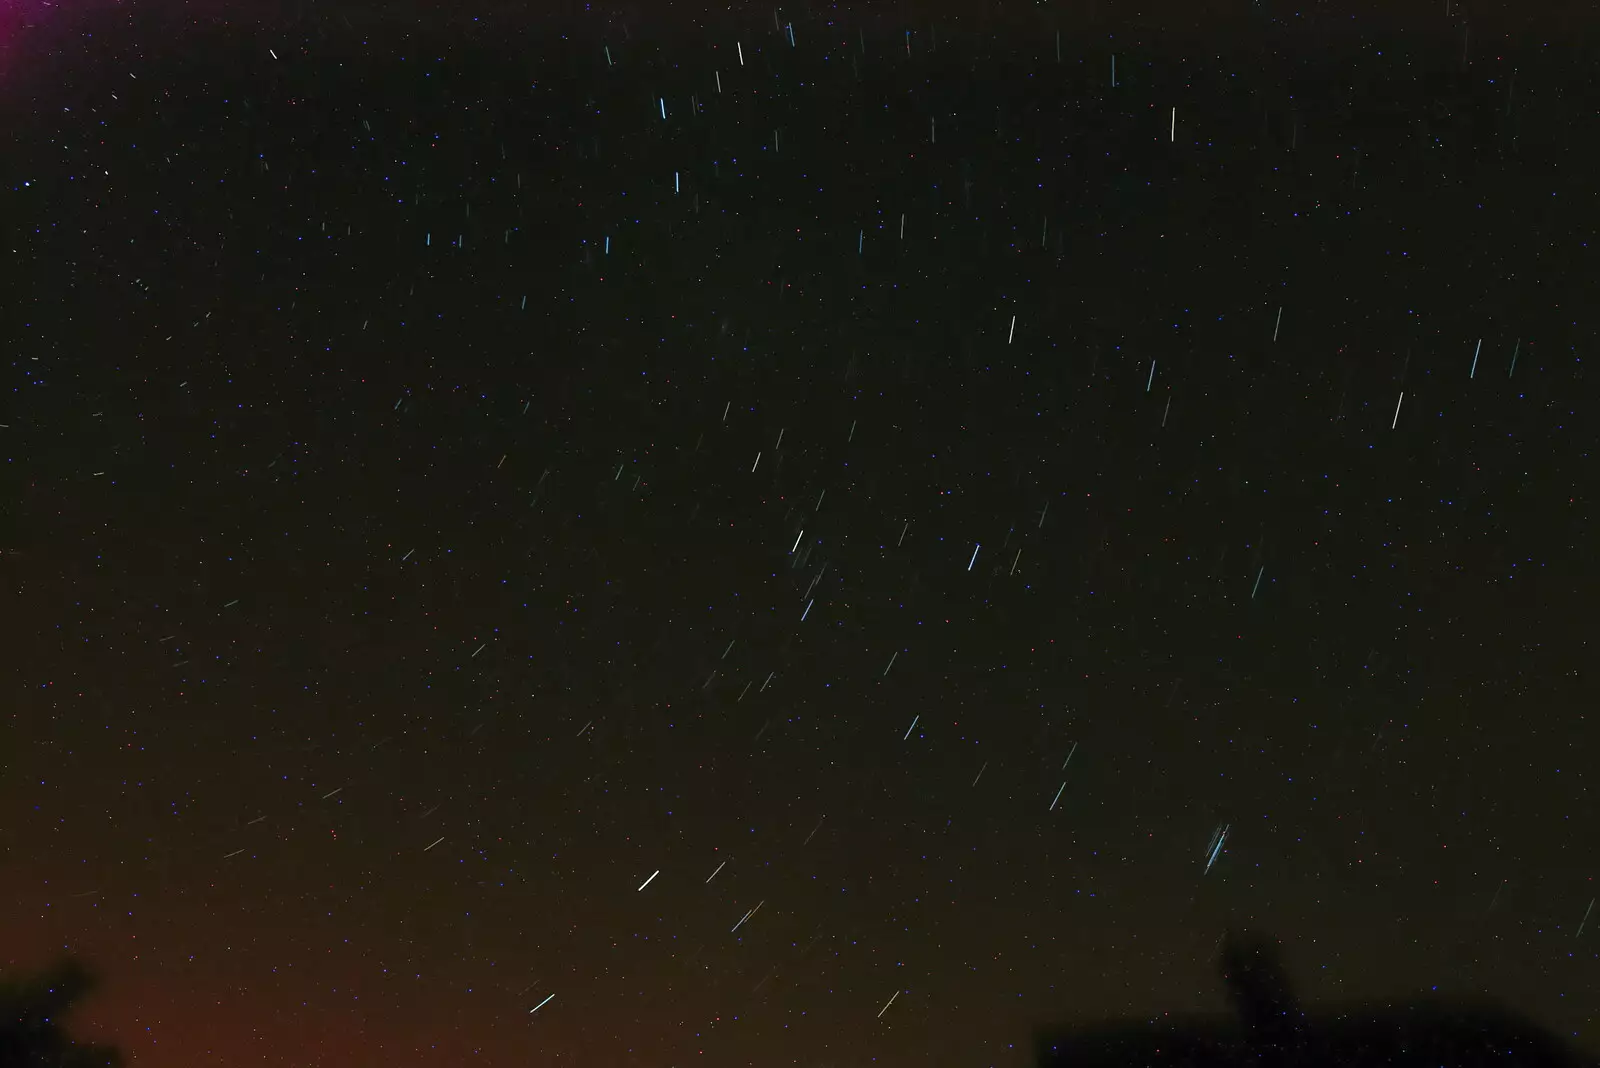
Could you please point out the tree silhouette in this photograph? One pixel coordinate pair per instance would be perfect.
(1270, 1029)
(30, 1021)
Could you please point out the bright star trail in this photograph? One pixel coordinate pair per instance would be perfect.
(742, 577)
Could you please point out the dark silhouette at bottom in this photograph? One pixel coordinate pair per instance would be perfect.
(31, 1035)
(1270, 1029)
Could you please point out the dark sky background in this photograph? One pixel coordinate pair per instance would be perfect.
(905, 549)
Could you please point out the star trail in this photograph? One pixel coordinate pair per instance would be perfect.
(807, 535)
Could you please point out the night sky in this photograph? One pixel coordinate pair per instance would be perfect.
(833, 537)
